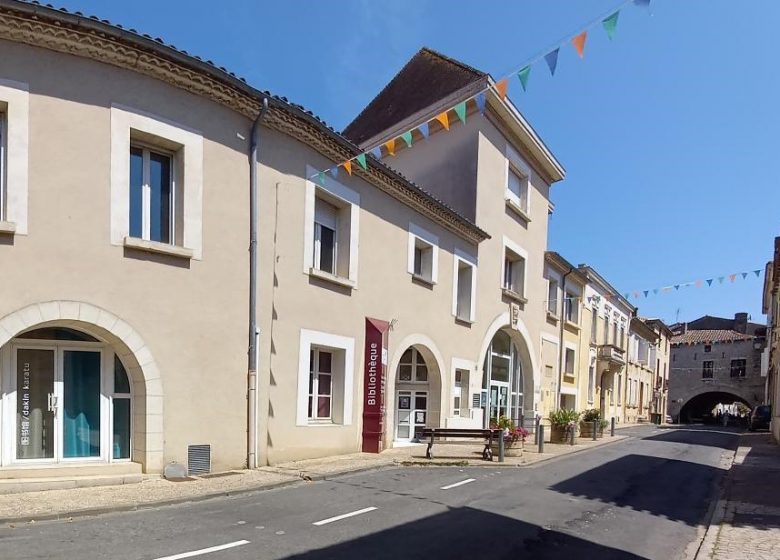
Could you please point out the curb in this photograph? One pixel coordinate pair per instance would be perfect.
(92, 512)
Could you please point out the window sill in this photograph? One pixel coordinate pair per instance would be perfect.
(464, 322)
(332, 278)
(552, 317)
(511, 294)
(321, 424)
(7, 228)
(573, 326)
(568, 377)
(517, 209)
(416, 278)
(157, 248)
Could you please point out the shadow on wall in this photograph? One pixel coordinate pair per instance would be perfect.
(648, 487)
(467, 533)
(725, 438)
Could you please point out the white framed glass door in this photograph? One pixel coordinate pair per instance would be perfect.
(60, 404)
(412, 413)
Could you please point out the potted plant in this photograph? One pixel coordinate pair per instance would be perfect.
(562, 421)
(586, 423)
(514, 437)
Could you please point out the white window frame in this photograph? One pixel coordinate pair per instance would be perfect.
(419, 235)
(569, 347)
(554, 301)
(417, 360)
(318, 226)
(315, 383)
(515, 163)
(15, 108)
(571, 300)
(515, 248)
(188, 222)
(325, 341)
(351, 203)
(146, 200)
(460, 257)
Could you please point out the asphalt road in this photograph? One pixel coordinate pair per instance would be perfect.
(643, 497)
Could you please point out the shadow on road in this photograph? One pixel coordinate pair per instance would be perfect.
(678, 490)
(725, 438)
(467, 533)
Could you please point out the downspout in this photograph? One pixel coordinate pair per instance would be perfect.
(251, 456)
(560, 343)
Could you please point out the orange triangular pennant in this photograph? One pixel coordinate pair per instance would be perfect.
(501, 86)
(390, 147)
(348, 166)
(579, 43)
(444, 120)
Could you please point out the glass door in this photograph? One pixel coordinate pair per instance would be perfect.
(81, 404)
(412, 413)
(36, 404)
(499, 400)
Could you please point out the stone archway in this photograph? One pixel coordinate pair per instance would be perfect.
(699, 406)
(129, 346)
(520, 337)
(424, 351)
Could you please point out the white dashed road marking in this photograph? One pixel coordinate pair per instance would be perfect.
(461, 483)
(204, 551)
(344, 516)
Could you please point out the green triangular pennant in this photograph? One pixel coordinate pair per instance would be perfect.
(361, 159)
(610, 24)
(322, 178)
(407, 137)
(523, 75)
(460, 110)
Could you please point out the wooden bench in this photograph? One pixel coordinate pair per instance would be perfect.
(434, 435)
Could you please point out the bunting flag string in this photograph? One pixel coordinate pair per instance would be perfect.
(500, 87)
(637, 294)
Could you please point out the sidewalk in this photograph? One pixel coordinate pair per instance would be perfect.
(28, 507)
(746, 522)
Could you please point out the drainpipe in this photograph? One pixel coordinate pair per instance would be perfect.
(251, 457)
(561, 350)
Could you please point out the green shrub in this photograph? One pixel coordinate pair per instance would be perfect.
(591, 414)
(563, 417)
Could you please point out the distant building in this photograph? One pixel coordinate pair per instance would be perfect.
(715, 360)
(771, 307)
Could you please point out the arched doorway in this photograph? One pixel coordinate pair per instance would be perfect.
(417, 393)
(700, 408)
(68, 399)
(502, 380)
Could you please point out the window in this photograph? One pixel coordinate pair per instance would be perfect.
(708, 348)
(325, 379)
(594, 325)
(331, 219)
(151, 195)
(738, 367)
(614, 334)
(14, 137)
(412, 367)
(320, 384)
(591, 380)
(156, 185)
(572, 307)
(325, 241)
(423, 263)
(706, 369)
(568, 367)
(517, 189)
(463, 292)
(460, 391)
(552, 296)
(121, 413)
(619, 390)
(622, 336)
(514, 272)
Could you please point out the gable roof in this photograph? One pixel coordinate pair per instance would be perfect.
(709, 337)
(428, 77)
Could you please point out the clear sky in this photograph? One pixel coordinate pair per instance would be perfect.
(668, 133)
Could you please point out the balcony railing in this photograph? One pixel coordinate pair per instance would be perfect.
(612, 353)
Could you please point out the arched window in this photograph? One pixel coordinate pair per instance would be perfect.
(412, 368)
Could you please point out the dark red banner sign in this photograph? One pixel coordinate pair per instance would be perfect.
(375, 359)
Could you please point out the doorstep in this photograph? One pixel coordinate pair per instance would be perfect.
(31, 479)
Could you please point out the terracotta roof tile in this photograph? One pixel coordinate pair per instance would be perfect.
(710, 336)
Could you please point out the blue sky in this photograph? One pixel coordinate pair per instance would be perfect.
(667, 133)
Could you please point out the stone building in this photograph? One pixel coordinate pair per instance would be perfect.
(715, 360)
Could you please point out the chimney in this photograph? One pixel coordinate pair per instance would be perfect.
(740, 322)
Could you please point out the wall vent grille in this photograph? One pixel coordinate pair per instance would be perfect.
(198, 459)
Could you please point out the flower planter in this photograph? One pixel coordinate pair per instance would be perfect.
(510, 450)
(586, 430)
(558, 434)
